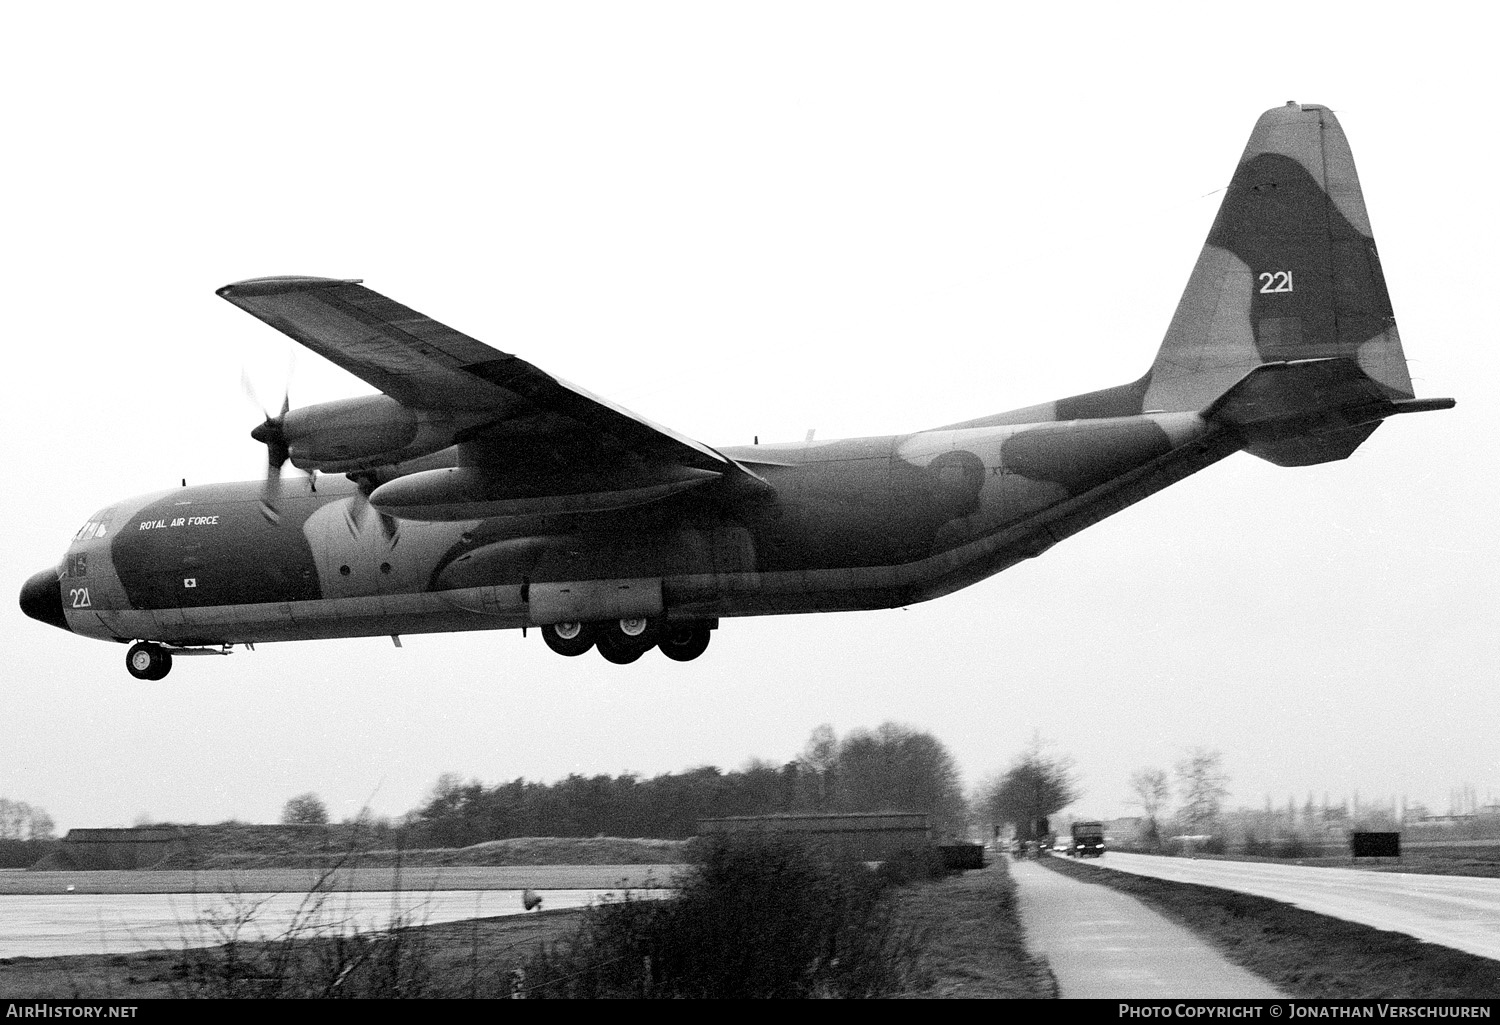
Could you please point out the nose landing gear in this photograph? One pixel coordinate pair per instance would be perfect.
(147, 661)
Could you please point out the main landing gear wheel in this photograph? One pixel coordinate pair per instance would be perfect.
(569, 638)
(684, 642)
(147, 661)
(625, 640)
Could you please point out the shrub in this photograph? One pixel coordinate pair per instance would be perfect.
(913, 863)
(314, 957)
(1294, 846)
(758, 916)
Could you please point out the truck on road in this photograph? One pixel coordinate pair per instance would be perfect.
(1088, 840)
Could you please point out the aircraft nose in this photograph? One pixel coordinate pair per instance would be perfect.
(41, 599)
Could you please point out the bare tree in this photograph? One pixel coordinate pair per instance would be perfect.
(304, 810)
(817, 767)
(21, 821)
(1202, 785)
(1149, 789)
(13, 818)
(1036, 786)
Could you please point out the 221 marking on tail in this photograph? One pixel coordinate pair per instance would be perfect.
(479, 493)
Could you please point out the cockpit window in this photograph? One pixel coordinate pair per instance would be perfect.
(97, 526)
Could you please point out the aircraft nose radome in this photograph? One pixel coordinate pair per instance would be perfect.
(41, 599)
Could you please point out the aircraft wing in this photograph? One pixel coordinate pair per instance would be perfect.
(527, 415)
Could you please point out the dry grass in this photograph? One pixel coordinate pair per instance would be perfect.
(460, 959)
(1305, 954)
(974, 947)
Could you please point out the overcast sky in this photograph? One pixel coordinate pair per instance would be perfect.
(739, 220)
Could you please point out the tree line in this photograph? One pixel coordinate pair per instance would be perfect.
(890, 768)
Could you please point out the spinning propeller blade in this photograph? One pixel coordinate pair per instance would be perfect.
(272, 434)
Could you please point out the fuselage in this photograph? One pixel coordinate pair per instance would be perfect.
(484, 493)
(854, 524)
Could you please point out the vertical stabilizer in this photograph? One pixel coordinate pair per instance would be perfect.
(1289, 280)
(1289, 271)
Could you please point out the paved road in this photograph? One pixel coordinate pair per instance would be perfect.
(1105, 944)
(1462, 912)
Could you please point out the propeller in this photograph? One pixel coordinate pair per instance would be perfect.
(272, 434)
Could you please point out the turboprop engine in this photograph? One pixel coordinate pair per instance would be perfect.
(357, 434)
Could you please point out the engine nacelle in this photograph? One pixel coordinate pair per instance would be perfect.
(358, 434)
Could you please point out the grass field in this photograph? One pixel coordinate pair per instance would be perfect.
(1478, 857)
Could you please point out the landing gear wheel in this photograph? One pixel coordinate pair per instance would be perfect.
(569, 638)
(146, 661)
(619, 652)
(638, 627)
(684, 642)
(626, 640)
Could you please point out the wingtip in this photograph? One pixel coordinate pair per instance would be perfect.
(281, 285)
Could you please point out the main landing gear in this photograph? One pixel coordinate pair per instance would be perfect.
(622, 641)
(147, 661)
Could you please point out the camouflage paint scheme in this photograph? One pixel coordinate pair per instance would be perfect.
(482, 493)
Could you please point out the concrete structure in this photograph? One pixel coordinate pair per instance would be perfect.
(868, 836)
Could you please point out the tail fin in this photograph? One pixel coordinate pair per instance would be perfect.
(1289, 272)
(1289, 276)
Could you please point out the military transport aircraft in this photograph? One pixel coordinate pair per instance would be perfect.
(479, 492)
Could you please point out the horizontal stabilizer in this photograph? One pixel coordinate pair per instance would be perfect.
(1302, 412)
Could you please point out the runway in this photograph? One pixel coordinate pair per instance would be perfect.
(128, 912)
